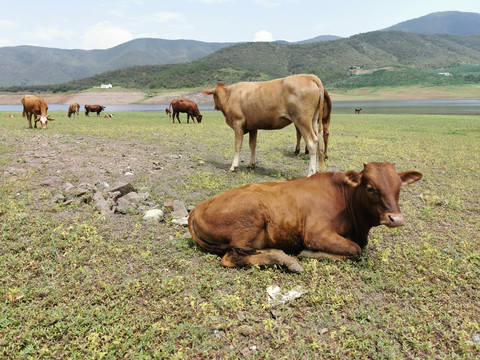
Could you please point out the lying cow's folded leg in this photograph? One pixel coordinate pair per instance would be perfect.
(263, 257)
(320, 255)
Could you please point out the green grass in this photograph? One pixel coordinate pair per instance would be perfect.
(78, 284)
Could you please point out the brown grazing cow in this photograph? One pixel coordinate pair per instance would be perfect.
(327, 111)
(74, 110)
(35, 105)
(327, 215)
(94, 108)
(269, 105)
(357, 110)
(168, 112)
(185, 106)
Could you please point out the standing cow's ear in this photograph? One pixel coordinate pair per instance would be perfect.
(208, 91)
(352, 178)
(409, 177)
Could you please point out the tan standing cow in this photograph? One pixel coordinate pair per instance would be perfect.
(269, 105)
(73, 109)
(326, 215)
(36, 106)
(327, 112)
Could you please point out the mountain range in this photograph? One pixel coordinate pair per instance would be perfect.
(30, 65)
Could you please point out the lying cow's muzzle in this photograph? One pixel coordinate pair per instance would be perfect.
(392, 220)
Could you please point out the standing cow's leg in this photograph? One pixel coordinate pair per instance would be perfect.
(299, 137)
(326, 135)
(29, 117)
(252, 142)
(311, 139)
(238, 146)
(261, 257)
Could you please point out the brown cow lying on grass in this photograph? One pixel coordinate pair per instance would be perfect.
(35, 105)
(326, 215)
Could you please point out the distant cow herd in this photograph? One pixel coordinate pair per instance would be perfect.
(323, 215)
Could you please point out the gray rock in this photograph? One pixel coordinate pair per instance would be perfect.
(153, 214)
(55, 180)
(124, 188)
(179, 209)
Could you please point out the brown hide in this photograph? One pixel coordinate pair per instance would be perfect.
(325, 215)
(185, 106)
(94, 108)
(35, 106)
(73, 109)
(327, 111)
(251, 106)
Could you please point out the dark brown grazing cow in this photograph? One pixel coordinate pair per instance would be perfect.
(74, 110)
(327, 111)
(269, 105)
(185, 106)
(35, 105)
(94, 108)
(327, 215)
(357, 110)
(168, 112)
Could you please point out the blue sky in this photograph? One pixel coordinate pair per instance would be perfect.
(100, 24)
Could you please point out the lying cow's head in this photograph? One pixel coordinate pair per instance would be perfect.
(378, 190)
(44, 120)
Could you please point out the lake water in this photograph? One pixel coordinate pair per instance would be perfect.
(450, 106)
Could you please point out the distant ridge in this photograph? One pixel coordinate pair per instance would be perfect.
(446, 22)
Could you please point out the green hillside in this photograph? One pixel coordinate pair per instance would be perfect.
(416, 59)
(32, 65)
(445, 22)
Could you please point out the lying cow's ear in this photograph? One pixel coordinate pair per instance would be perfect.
(208, 91)
(409, 177)
(352, 178)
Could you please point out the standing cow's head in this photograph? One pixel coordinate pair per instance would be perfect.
(377, 190)
(216, 91)
(199, 118)
(44, 120)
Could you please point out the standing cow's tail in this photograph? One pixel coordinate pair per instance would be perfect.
(318, 120)
(170, 106)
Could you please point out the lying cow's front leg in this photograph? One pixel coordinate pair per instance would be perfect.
(330, 245)
(252, 142)
(263, 257)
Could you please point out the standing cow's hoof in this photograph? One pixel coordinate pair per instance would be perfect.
(233, 169)
(252, 166)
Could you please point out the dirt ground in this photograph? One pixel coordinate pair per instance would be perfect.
(109, 97)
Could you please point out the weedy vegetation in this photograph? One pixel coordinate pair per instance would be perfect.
(79, 284)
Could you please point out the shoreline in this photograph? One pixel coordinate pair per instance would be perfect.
(108, 97)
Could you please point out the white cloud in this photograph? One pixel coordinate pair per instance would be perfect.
(167, 16)
(104, 36)
(263, 35)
